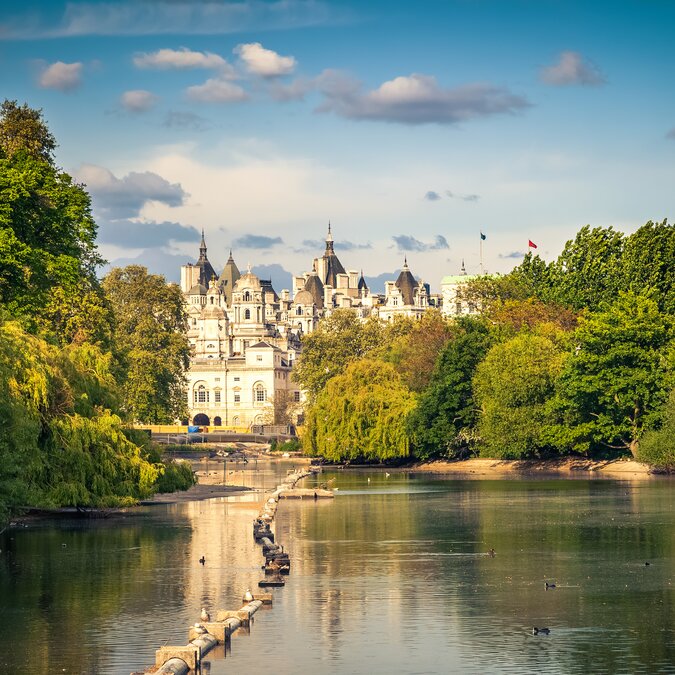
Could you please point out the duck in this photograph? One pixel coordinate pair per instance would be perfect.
(547, 585)
(200, 629)
(205, 616)
(248, 596)
(491, 553)
(540, 631)
(202, 560)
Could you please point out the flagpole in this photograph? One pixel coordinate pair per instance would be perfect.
(481, 254)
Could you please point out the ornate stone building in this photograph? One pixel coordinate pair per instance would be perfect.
(245, 337)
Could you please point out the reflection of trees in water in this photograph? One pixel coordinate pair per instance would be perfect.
(53, 594)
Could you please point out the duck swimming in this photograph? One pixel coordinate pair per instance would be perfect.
(540, 631)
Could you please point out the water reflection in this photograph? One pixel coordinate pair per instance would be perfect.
(391, 576)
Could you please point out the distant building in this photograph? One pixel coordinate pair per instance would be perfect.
(245, 337)
(452, 302)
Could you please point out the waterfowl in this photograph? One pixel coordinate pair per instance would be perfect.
(547, 585)
(386, 475)
(204, 616)
(491, 553)
(200, 629)
(202, 560)
(542, 631)
(248, 596)
(647, 564)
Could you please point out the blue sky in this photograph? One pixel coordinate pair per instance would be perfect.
(411, 126)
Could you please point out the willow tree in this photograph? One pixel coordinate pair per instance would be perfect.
(361, 414)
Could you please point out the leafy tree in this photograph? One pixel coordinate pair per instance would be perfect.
(514, 386)
(150, 337)
(360, 414)
(48, 255)
(446, 412)
(512, 316)
(339, 339)
(617, 379)
(414, 352)
(588, 271)
(648, 264)
(657, 447)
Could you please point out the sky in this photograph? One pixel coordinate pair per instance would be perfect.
(411, 126)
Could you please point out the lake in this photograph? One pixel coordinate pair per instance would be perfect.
(391, 576)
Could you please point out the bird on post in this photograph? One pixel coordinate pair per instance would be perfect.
(248, 596)
(205, 616)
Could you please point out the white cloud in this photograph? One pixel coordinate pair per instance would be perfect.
(61, 76)
(293, 91)
(183, 58)
(264, 62)
(414, 99)
(138, 100)
(571, 69)
(215, 90)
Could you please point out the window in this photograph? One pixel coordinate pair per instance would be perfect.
(296, 396)
(247, 314)
(216, 396)
(201, 395)
(209, 346)
(247, 297)
(298, 311)
(260, 394)
(258, 357)
(235, 421)
(211, 299)
(237, 398)
(236, 379)
(217, 379)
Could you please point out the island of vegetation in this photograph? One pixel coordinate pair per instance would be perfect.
(571, 358)
(80, 359)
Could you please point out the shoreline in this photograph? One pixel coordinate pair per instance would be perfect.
(570, 467)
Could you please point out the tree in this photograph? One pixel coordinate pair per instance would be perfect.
(617, 380)
(361, 414)
(339, 339)
(446, 412)
(514, 387)
(48, 255)
(657, 446)
(648, 264)
(150, 338)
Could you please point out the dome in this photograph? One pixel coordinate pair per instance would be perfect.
(303, 297)
(197, 289)
(248, 280)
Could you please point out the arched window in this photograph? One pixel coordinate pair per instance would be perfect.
(247, 314)
(201, 394)
(211, 299)
(201, 420)
(299, 311)
(247, 297)
(217, 421)
(259, 393)
(235, 420)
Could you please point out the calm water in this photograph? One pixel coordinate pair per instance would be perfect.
(390, 577)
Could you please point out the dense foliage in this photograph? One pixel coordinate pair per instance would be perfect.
(575, 356)
(64, 382)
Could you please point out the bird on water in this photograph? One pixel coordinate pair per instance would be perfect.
(202, 560)
(540, 631)
(547, 585)
(248, 596)
(204, 616)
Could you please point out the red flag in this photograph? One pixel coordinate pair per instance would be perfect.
(531, 244)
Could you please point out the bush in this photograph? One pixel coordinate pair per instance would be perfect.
(657, 448)
(177, 475)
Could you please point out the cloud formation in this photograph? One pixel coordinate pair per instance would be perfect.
(216, 90)
(406, 242)
(138, 100)
(169, 17)
(571, 69)
(264, 62)
(183, 58)
(293, 91)
(257, 241)
(432, 196)
(176, 119)
(465, 198)
(62, 76)
(513, 254)
(415, 99)
(118, 198)
(145, 234)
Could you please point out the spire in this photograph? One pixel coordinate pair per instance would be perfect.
(202, 247)
(405, 262)
(463, 267)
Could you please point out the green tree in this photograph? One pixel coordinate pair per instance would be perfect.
(657, 446)
(361, 414)
(618, 377)
(151, 342)
(339, 339)
(443, 421)
(648, 264)
(514, 386)
(48, 255)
